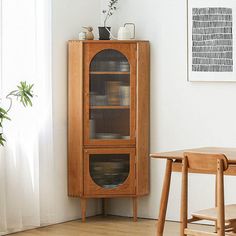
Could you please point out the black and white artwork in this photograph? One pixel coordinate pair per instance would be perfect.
(211, 40)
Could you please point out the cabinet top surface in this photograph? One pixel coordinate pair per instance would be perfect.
(109, 41)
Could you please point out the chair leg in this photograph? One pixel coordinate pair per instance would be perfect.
(220, 199)
(216, 200)
(184, 198)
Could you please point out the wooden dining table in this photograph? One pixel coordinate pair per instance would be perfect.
(174, 164)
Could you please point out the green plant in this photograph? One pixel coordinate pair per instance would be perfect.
(23, 94)
(112, 7)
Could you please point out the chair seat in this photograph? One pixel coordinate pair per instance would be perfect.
(211, 213)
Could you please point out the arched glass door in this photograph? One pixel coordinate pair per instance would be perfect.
(109, 171)
(110, 98)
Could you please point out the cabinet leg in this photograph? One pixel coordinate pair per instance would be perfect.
(135, 208)
(83, 208)
(104, 206)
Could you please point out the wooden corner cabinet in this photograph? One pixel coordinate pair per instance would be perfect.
(108, 120)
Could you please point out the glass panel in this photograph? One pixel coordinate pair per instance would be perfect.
(109, 170)
(109, 90)
(109, 96)
(110, 124)
(110, 60)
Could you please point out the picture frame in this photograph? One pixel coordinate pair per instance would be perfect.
(211, 30)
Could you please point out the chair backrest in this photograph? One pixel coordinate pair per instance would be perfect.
(214, 163)
(205, 161)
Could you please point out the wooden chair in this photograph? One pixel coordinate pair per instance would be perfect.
(223, 216)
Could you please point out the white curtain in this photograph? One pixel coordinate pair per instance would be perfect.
(26, 161)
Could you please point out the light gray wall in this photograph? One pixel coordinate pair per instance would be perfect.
(68, 18)
(183, 114)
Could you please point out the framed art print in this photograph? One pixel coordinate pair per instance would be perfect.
(211, 40)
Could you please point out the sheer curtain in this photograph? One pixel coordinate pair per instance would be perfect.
(26, 161)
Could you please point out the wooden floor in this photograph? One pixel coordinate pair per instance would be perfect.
(107, 226)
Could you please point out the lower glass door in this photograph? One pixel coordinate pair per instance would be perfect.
(109, 171)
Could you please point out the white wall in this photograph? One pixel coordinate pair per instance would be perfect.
(68, 18)
(183, 114)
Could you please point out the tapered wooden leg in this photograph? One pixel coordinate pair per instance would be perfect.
(216, 200)
(135, 208)
(164, 198)
(184, 199)
(220, 199)
(104, 206)
(83, 208)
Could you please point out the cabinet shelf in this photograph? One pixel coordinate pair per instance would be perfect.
(109, 73)
(109, 107)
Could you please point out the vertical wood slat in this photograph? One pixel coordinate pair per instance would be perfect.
(75, 119)
(216, 198)
(184, 198)
(143, 118)
(220, 199)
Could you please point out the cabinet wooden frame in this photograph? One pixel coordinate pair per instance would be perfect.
(80, 54)
(90, 51)
(75, 119)
(126, 188)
